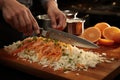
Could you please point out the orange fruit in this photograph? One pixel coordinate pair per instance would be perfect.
(102, 26)
(111, 32)
(105, 42)
(92, 34)
(116, 37)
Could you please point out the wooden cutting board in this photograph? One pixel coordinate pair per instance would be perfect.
(103, 71)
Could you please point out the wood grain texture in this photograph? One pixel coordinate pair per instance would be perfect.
(103, 71)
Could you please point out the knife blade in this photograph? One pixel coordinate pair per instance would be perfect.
(67, 38)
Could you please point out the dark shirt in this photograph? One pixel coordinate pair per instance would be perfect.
(28, 3)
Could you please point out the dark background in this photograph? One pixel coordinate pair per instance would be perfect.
(98, 10)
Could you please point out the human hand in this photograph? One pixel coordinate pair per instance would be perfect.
(19, 17)
(58, 18)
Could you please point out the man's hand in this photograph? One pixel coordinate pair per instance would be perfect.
(58, 18)
(19, 17)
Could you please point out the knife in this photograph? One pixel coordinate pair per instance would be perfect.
(67, 38)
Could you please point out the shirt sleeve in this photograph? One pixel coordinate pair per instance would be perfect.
(27, 3)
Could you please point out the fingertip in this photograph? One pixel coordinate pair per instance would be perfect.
(54, 26)
(60, 27)
(36, 28)
(37, 31)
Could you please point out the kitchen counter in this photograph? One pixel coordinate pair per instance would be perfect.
(9, 73)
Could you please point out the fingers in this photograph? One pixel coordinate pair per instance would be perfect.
(58, 22)
(19, 17)
(35, 25)
(53, 22)
(28, 24)
(15, 23)
(22, 24)
(61, 22)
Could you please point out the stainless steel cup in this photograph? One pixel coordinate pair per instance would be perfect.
(75, 26)
(44, 21)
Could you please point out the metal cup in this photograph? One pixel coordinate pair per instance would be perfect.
(75, 26)
(44, 21)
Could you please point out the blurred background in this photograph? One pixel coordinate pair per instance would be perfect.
(94, 11)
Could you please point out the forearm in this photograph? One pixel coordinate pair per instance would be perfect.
(49, 3)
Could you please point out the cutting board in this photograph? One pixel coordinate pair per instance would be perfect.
(103, 71)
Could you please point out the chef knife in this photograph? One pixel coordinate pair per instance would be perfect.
(67, 38)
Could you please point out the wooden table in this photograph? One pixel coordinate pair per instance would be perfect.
(103, 71)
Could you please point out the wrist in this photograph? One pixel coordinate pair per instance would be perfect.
(4, 2)
(48, 3)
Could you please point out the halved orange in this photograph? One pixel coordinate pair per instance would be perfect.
(116, 37)
(111, 32)
(92, 34)
(102, 26)
(106, 42)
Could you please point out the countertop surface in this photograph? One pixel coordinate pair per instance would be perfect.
(8, 73)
